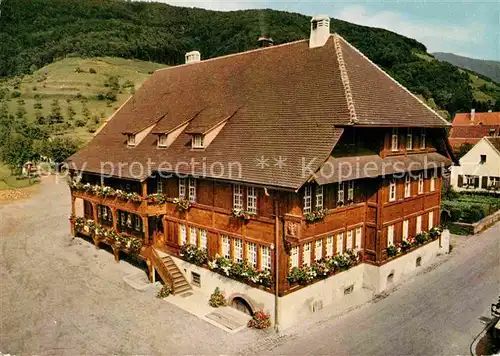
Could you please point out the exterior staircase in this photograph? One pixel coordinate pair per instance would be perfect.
(169, 272)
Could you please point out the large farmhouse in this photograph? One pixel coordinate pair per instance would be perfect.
(294, 175)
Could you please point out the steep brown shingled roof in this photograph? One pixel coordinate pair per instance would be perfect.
(495, 142)
(287, 103)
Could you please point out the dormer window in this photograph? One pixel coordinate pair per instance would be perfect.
(162, 141)
(197, 141)
(131, 140)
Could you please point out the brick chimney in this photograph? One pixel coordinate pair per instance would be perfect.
(320, 31)
(472, 114)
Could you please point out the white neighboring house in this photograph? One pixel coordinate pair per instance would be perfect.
(479, 168)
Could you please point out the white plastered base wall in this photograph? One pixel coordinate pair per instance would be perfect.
(301, 304)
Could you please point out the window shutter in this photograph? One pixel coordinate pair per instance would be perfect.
(460, 180)
(484, 183)
(476, 182)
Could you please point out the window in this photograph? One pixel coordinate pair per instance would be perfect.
(433, 182)
(203, 239)
(182, 188)
(196, 279)
(192, 189)
(431, 220)
(197, 141)
(418, 228)
(294, 257)
(306, 254)
(409, 140)
(358, 237)
(390, 235)
(193, 236)
(470, 181)
(483, 159)
(319, 197)
(138, 223)
(265, 252)
(394, 141)
(251, 200)
(405, 230)
(237, 197)
(422, 139)
(420, 183)
(318, 250)
(340, 242)
(252, 254)
(131, 140)
(407, 186)
(494, 182)
(162, 141)
(226, 247)
(159, 185)
(182, 234)
(123, 218)
(329, 246)
(238, 250)
(129, 221)
(350, 191)
(392, 190)
(307, 199)
(340, 192)
(349, 240)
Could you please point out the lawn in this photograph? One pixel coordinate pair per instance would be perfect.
(9, 181)
(76, 83)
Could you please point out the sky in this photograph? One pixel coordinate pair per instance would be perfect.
(468, 28)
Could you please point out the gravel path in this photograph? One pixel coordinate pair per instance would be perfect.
(62, 296)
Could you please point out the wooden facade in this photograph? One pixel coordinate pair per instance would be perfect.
(357, 219)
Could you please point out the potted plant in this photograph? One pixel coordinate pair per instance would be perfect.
(217, 299)
(260, 320)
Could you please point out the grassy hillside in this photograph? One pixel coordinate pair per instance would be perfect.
(79, 87)
(490, 69)
(34, 33)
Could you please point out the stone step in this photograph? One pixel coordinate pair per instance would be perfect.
(182, 289)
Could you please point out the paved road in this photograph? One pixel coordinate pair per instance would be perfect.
(61, 296)
(435, 313)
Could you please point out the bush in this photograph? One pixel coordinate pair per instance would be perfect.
(164, 292)
(92, 71)
(80, 123)
(193, 254)
(217, 299)
(473, 214)
(260, 320)
(79, 70)
(16, 94)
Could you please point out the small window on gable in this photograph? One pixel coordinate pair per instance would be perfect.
(197, 141)
(162, 141)
(131, 140)
(483, 159)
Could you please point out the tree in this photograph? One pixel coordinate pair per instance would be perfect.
(60, 148)
(55, 116)
(17, 150)
(463, 149)
(71, 112)
(21, 112)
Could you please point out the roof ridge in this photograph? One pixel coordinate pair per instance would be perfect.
(345, 80)
(234, 54)
(391, 78)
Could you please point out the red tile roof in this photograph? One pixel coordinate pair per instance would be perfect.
(286, 101)
(495, 142)
(471, 133)
(480, 118)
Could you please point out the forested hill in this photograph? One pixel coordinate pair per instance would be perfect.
(34, 33)
(490, 69)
